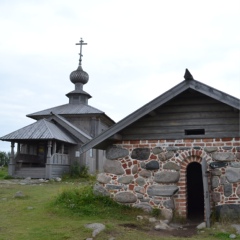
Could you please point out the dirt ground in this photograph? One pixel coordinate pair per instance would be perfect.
(185, 230)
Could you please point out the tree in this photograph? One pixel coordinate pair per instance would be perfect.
(4, 158)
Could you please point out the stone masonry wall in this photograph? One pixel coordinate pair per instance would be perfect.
(152, 173)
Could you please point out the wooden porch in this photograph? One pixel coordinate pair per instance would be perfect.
(32, 172)
(29, 166)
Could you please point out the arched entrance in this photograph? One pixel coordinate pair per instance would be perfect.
(195, 196)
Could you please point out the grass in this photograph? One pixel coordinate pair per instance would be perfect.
(4, 173)
(59, 211)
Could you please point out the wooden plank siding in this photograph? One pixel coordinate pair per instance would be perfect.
(189, 110)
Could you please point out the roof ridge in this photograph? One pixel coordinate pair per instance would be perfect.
(72, 126)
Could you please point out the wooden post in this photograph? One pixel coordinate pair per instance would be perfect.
(62, 148)
(48, 165)
(54, 147)
(11, 165)
(206, 192)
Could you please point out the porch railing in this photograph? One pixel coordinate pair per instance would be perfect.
(58, 158)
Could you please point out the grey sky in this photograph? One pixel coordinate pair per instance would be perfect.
(136, 51)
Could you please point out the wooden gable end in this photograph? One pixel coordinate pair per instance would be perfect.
(190, 114)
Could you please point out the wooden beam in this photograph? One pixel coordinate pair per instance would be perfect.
(116, 136)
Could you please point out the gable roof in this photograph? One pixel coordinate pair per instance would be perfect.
(42, 129)
(189, 83)
(78, 133)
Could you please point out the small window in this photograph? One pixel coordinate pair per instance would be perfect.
(194, 131)
(91, 153)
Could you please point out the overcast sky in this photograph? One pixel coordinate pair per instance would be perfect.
(136, 51)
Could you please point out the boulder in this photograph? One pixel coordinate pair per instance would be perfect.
(146, 207)
(171, 166)
(216, 196)
(114, 152)
(215, 182)
(227, 189)
(166, 177)
(172, 149)
(140, 153)
(162, 190)
(152, 165)
(140, 181)
(103, 178)
(165, 156)
(223, 156)
(216, 172)
(238, 191)
(100, 190)
(96, 227)
(138, 189)
(210, 149)
(145, 173)
(232, 174)
(114, 167)
(157, 150)
(134, 169)
(125, 179)
(228, 211)
(114, 187)
(125, 197)
(169, 204)
(167, 214)
(234, 164)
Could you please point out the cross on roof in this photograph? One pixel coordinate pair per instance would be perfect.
(81, 42)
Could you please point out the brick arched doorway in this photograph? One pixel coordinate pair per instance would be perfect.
(195, 195)
(189, 163)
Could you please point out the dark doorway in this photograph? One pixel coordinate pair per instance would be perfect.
(195, 197)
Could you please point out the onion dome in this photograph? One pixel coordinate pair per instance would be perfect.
(79, 76)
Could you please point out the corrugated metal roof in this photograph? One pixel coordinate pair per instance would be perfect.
(42, 129)
(68, 109)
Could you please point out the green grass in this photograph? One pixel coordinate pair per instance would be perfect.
(3, 173)
(60, 211)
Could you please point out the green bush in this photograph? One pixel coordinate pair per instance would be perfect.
(77, 171)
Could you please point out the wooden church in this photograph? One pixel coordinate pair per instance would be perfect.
(47, 148)
(179, 153)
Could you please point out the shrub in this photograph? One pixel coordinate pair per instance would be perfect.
(77, 171)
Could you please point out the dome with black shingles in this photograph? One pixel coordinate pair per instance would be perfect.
(79, 76)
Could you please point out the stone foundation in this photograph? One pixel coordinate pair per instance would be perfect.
(152, 173)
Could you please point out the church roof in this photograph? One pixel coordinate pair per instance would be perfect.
(42, 129)
(67, 109)
(188, 83)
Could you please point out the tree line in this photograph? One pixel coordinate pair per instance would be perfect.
(4, 158)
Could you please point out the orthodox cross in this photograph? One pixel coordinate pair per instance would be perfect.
(81, 42)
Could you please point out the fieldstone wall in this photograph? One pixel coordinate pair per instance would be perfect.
(152, 173)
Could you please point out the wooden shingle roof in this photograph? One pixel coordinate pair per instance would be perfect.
(42, 129)
(107, 136)
(67, 109)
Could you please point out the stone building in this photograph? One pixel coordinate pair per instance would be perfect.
(179, 153)
(49, 146)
